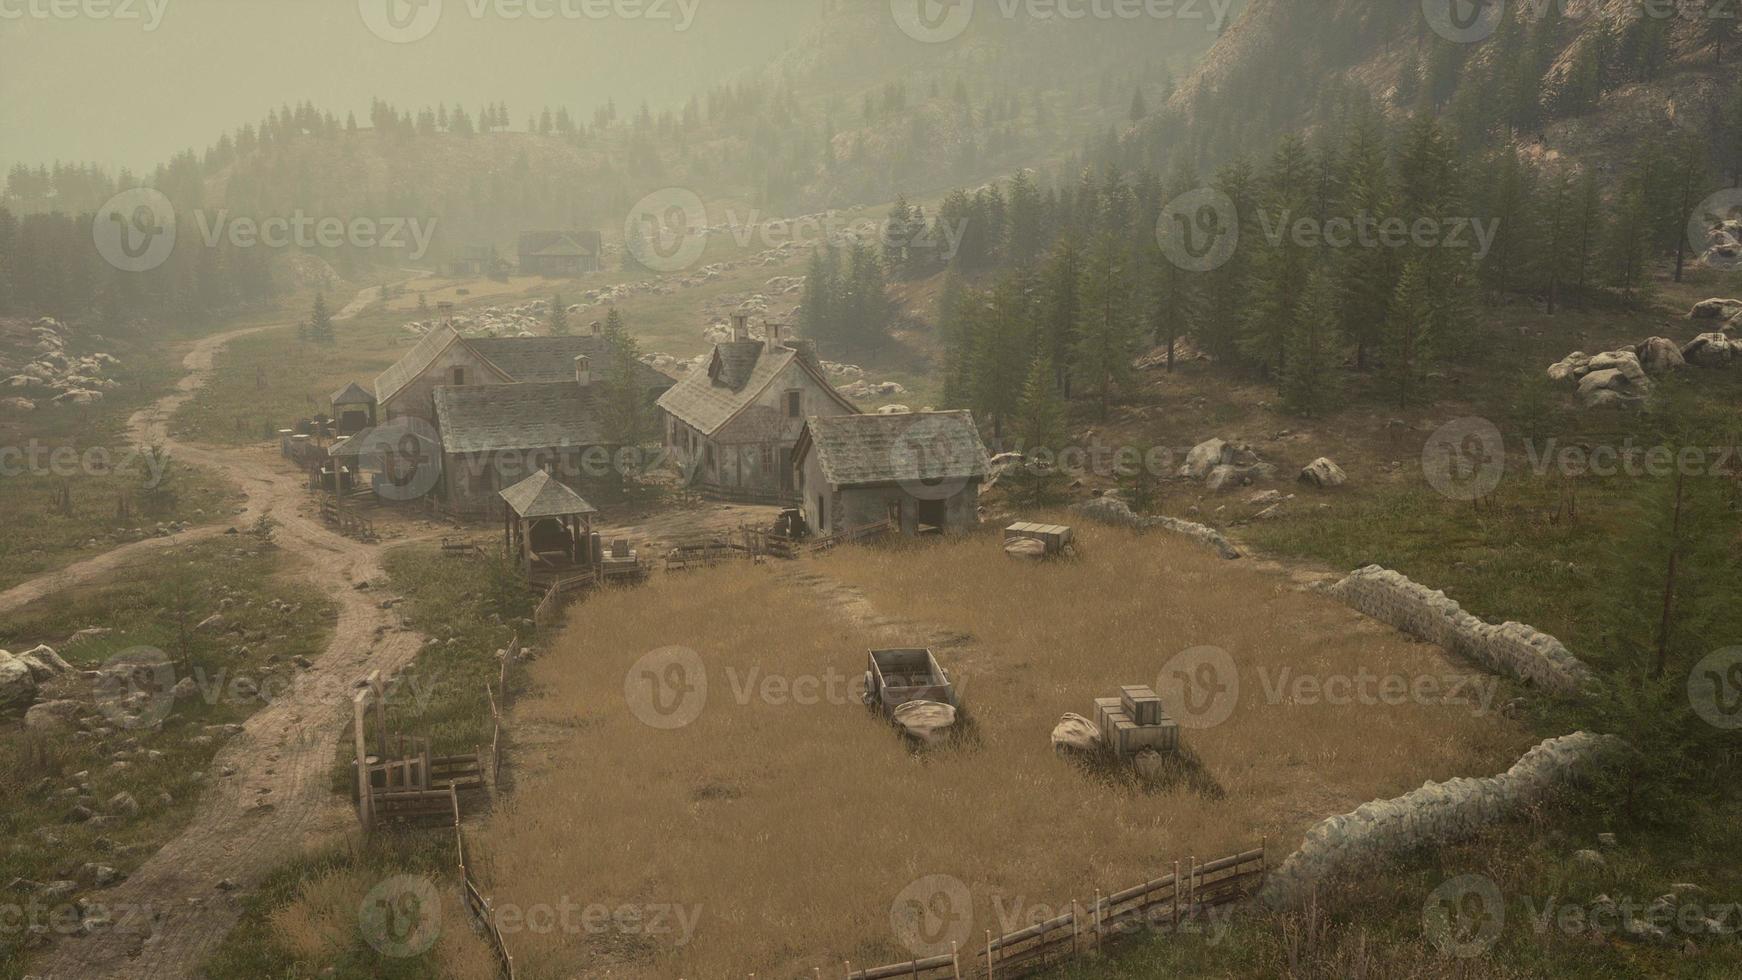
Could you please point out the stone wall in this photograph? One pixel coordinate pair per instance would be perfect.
(1111, 510)
(1437, 813)
(1513, 649)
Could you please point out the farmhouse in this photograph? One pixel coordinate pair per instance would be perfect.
(559, 254)
(733, 425)
(495, 410)
(922, 472)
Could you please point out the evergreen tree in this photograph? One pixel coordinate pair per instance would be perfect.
(626, 417)
(1309, 380)
(320, 322)
(559, 316)
(1105, 329)
(1408, 334)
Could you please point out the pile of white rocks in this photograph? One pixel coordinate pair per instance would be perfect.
(1623, 377)
(1223, 465)
(1437, 813)
(21, 674)
(53, 375)
(1112, 510)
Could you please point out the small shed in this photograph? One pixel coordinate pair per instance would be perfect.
(548, 528)
(353, 408)
(921, 472)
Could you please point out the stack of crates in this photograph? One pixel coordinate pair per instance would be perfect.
(1134, 721)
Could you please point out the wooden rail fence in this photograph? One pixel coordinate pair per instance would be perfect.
(477, 906)
(1170, 900)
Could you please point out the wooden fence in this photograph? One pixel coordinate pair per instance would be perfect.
(1167, 901)
(477, 906)
(864, 532)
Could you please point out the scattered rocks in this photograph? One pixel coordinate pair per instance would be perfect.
(53, 717)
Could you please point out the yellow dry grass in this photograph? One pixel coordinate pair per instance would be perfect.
(789, 829)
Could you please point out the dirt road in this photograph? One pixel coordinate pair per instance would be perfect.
(175, 909)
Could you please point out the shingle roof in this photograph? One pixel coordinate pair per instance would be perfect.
(708, 399)
(352, 394)
(555, 243)
(923, 446)
(491, 418)
(542, 495)
(415, 362)
(553, 359)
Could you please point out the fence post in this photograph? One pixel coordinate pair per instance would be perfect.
(1074, 949)
(988, 954)
(365, 802)
(955, 964)
(1176, 893)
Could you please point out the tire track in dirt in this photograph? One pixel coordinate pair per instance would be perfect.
(172, 912)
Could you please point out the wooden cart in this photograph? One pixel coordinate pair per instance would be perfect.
(895, 677)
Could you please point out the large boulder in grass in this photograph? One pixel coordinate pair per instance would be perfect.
(929, 722)
(1715, 309)
(53, 717)
(1324, 474)
(1203, 458)
(1660, 356)
(44, 663)
(17, 682)
(1710, 350)
(1614, 387)
(1075, 733)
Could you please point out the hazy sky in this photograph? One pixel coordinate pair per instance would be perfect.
(130, 82)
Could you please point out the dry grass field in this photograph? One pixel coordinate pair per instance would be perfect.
(784, 821)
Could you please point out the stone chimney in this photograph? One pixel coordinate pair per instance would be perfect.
(598, 328)
(583, 370)
(740, 326)
(773, 331)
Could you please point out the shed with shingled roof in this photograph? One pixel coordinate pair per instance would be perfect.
(921, 471)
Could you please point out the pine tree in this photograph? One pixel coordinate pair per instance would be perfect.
(320, 322)
(1040, 427)
(1284, 265)
(1105, 333)
(1310, 384)
(559, 316)
(625, 413)
(1408, 334)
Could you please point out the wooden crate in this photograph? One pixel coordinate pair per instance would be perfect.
(1141, 703)
(1130, 738)
(1055, 536)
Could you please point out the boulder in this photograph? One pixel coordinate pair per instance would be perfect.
(927, 721)
(1660, 356)
(1323, 473)
(1108, 510)
(1709, 350)
(53, 717)
(1076, 733)
(1029, 548)
(17, 682)
(895, 410)
(124, 805)
(1570, 368)
(1203, 458)
(1715, 309)
(16, 404)
(1230, 475)
(1613, 386)
(44, 663)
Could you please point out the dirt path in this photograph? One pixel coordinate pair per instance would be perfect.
(175, 909)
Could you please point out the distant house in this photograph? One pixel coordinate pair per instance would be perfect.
(921, 471)
(501, 408)
(476, 260)
(560, 254)
(353, 409)
(733, 424)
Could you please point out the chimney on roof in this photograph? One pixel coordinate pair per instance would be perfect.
(773, 331)
(740, 326)
(598, 328)
(583, 370)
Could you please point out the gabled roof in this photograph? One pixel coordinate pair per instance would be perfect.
(553, 359)
(415, 362)
(872, 449)
(491, 418)
(562, 244)
(741, 370)
(542, 495)
(352, 394)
